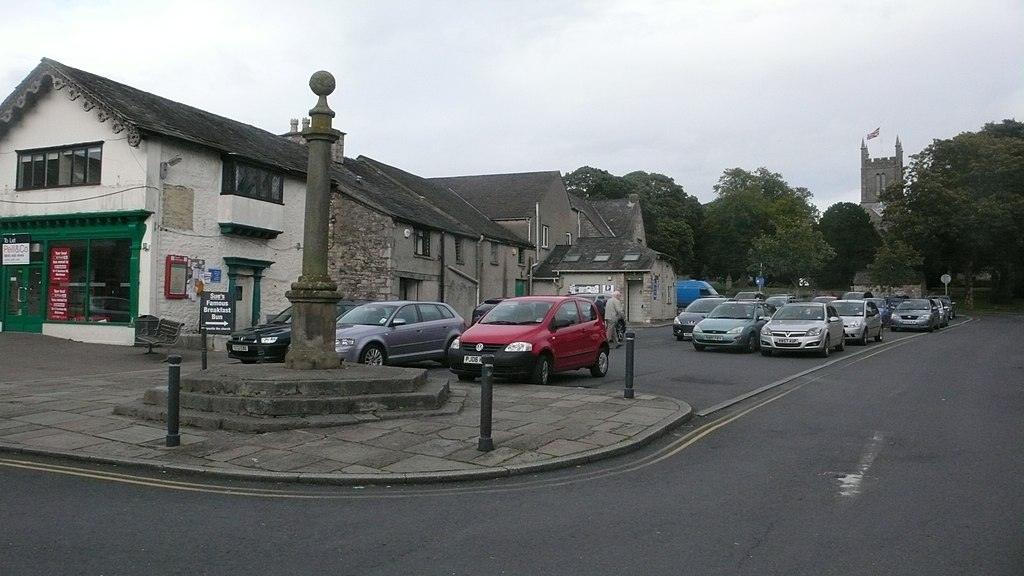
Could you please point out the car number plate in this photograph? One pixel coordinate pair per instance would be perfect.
(786, 340)
(472, 360)
(714, 338)
(239, 348)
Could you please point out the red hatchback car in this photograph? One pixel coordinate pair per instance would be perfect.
(533, 336)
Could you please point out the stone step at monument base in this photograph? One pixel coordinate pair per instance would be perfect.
(430, 395)
(258, 424)
(277, 381)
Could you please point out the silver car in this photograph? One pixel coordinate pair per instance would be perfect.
(398, 332)
(915, 314)
(803, 326)
(861, 320)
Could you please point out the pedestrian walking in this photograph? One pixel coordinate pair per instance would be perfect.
(614, 313)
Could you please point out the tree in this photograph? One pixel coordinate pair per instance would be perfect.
(588, 182)
(895, 264)
(793, 251)
(848, 229)
(750, 205)
(962, 207)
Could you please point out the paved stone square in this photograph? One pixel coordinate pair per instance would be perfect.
(73, 415)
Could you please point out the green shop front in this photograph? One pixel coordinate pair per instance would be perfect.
(79, 278)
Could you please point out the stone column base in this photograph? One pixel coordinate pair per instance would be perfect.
(313, 325)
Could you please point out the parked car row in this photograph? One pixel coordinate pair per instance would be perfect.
(780, 324)
(530, 338)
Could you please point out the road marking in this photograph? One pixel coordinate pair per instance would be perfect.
(849, 484)
(659, 455)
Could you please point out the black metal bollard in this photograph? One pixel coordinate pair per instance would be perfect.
(630, 349)
(173, 397)
(486, 444)
(203, 332)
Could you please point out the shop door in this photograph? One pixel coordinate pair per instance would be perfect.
(23, 311)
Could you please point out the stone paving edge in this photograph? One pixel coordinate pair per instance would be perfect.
(664, 426)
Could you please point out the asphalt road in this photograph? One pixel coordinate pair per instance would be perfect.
(905, 459)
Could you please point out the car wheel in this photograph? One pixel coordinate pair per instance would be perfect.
(373, 355)
(698, 347)
(864, 337)
(842, 344)
(541, 370)
(466, 377)
(600, 367)
(826, 350)
(752, 343)
(766, 352)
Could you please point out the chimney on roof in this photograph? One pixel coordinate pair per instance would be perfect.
(293, 125)
(293, 133)
(337, 148)
(305, 124)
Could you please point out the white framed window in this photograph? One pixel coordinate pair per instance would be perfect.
(545, 233)
(568, 238)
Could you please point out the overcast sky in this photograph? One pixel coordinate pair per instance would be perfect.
(686, 88)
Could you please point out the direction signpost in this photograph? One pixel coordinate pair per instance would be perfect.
(216, 316)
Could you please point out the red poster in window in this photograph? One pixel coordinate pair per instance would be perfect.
(60, 276)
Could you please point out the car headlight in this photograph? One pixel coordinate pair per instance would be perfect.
(346, 341)
(676, 320)
(813, 331)
(456, 344)
(697, 328)
(766, 330)
(735, 330)
(268, 339)
(519, 347)
(855, 323)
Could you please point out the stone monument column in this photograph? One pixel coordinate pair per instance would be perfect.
(315, 295)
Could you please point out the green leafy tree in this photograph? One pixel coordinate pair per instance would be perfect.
(750, 205)
(848, 229)
(895, 264)
(795, 250)
(962, 207)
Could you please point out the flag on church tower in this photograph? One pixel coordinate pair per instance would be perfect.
(874, 133)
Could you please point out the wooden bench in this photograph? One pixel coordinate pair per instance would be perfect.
(167, 332)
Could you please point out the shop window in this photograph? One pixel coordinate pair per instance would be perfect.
(251, 181)
(90, 281)
(78, 165)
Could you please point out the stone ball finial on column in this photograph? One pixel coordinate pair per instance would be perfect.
(322, 83)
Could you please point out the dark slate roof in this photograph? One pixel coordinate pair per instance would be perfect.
(618, 214)
(587, 208)
(505, 196)
(140, 113)
(453, 205)
(587, 248)
(149, 113)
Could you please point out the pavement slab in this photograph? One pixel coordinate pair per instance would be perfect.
(534, 428)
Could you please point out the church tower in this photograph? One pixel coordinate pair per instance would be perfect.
(876, 174)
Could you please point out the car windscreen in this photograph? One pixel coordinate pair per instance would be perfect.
(915, 305)
(800, 313)
(517, 312)
(777, 300)
(282, 318)
(733, 310)
(746, 295)
(703, 305)
(849, 308)
(369, 314)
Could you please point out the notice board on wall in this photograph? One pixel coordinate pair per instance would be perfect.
(58, 296)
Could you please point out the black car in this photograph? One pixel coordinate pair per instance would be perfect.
(483, 308)
(269, 342)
